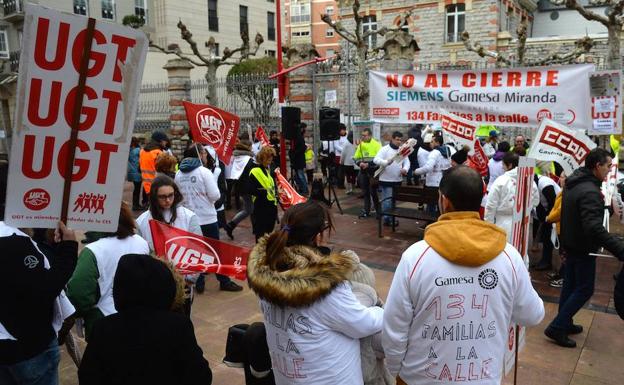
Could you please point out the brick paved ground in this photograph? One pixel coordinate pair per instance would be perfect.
(595, 361)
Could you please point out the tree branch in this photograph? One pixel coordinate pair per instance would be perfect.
(522, 36)
(177, 53)
(583, 46)
(188, 37)
(340, 30)
(587, 14)
(615, 15)
(481, 51)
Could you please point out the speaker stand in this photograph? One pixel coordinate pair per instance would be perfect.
(331, 174)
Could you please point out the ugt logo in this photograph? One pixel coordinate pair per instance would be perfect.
(36, 199)
(92, 203)
(211, 125)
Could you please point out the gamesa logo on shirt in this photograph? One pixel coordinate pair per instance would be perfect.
(488, 279)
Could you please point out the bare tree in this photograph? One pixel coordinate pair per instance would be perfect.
(211, 61)
(582, 46)
(613, 20)
(360, 39)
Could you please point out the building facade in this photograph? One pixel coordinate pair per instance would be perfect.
(303, 24)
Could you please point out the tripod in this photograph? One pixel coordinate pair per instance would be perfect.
(330, 182)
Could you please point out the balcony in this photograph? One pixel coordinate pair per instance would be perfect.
(14, 58)
(13, 10)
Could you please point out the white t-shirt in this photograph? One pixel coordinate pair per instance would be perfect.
(451, 322)
(542, 183)
(392, 172)
(320, 344)
(200, 190)
(185, 220)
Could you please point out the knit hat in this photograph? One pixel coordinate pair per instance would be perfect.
(159, 136)
(362, 273)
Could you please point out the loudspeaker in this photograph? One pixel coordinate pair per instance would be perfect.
(291, 122)
(329, 123)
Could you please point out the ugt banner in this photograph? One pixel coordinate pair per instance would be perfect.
(213, 126)
(556, 142)
(288, 196)
(262, 136)
(47, 92)
(518, 97)
(191, 253)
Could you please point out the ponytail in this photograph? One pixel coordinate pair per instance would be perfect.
(302, 223)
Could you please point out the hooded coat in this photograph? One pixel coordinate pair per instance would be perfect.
(501, 198)
(439, 159)
(312, 318)
(454, 294)
(582, 215)
(145, 342)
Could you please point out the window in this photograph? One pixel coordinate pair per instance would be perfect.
(244, 22)
(455, 22)
(329, 10)
(4, 45)
(330, 53)
(271, 26)
(216, 49)
(508, 19)
(270, 52)
(369, 23)
(301, 33)
(213, 19)
(300, 13)
(140, 9)
(329, 32)
(81, 7)
(108, 9)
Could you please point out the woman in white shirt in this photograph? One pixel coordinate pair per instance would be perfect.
(165, 205)
(313, 320)
(495, 164)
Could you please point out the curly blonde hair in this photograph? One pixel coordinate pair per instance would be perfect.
(265, 155)
(166, 163)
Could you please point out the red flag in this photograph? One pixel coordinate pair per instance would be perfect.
(287, 194)
(262, 136)
(191, 253)
(478, 160)
(210, 125)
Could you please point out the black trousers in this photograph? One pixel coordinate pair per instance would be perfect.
(369, 188)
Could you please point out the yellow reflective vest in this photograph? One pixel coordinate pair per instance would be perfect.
(266, 181)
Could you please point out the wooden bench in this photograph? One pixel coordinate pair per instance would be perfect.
(412, 194)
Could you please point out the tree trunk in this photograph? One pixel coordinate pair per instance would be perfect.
(211, 79)
(614, 58)
(363, 92)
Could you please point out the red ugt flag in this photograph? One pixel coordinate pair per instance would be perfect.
(210, 125)
(288, 196)
(191, 253)
(262, 136)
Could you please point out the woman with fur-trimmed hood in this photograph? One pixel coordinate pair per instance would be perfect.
(313, 320)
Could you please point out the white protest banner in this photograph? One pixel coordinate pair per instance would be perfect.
(459, 130)
(520, 240)
(558, 143)
(518, 97)
(606, 103)
(48, 93)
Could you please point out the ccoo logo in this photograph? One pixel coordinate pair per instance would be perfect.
(211, 125)
(36, 199)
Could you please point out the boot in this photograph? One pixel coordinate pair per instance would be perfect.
(560, 337)
(229, 229)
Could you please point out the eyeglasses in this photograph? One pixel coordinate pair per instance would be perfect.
(166, 197)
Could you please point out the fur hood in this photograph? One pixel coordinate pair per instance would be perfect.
(312, 277)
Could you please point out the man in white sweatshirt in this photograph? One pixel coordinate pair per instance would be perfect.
(392, 176)
(455, 294)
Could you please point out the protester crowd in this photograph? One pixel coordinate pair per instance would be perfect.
(323, 320)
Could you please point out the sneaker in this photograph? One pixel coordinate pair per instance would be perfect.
(230, 286)
(558, 283)
(349, 192)
(364, 214)
(552, 275)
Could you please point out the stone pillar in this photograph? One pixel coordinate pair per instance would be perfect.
(179, 75)
(300, 87)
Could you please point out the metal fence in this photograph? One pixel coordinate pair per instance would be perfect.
(248, 96)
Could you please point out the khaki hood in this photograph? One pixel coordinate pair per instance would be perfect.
(464, 239)
(312, 276)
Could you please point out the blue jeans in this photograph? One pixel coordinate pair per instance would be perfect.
(300, 180)
(387, 204)
(210, 230)
(42, 369)
(578, 287)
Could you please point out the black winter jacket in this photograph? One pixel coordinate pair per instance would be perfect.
(582, 214)
(28, 291)
(297, 154)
